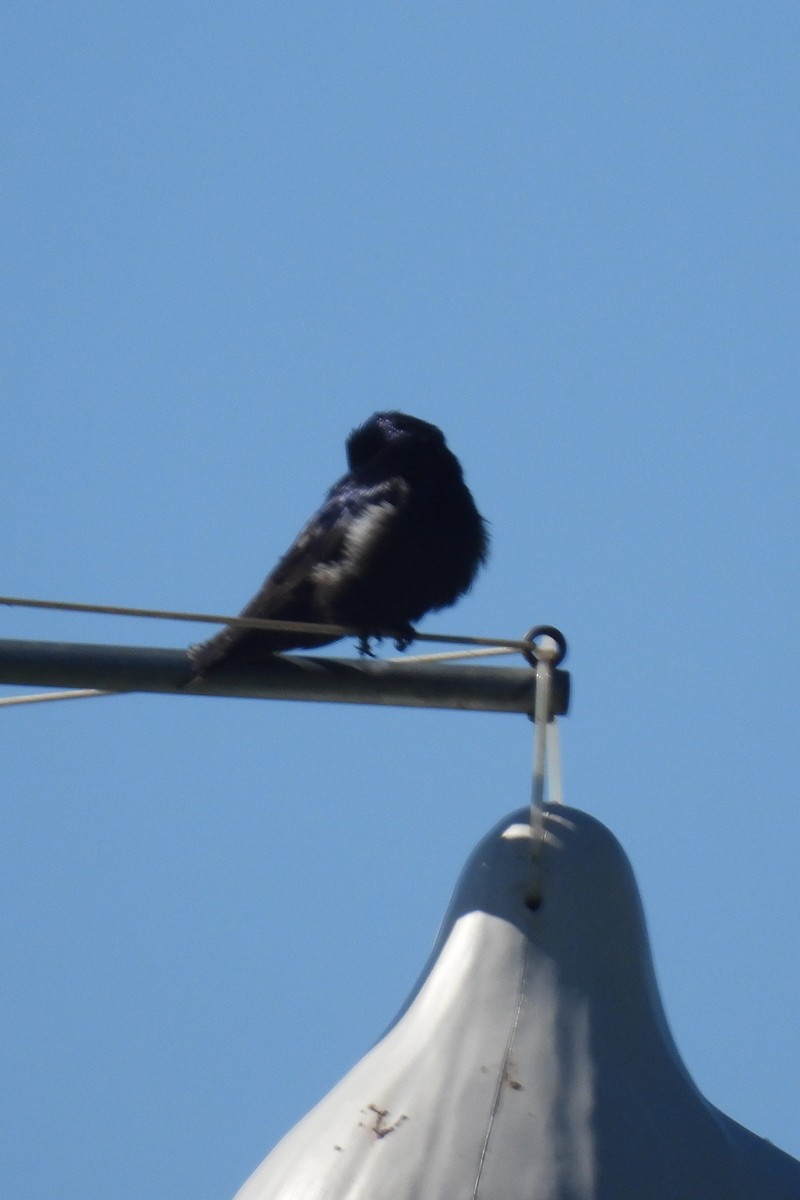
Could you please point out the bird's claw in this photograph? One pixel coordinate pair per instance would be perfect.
(404, 637)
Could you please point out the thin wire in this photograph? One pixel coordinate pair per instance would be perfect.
(42, 697)
(452, 655)
(541, 716)
(555, 782)
(542, 741)
(337, 631)
(118, 610)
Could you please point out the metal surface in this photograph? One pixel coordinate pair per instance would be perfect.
(285, 677)
(532, 1060)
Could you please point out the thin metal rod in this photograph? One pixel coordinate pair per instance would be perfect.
(542, 714)
(334, 631)
(283, 677)
(555, 780)
(50, 697)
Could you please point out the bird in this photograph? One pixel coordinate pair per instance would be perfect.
(397, 536)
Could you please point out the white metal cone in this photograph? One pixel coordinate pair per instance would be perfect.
(533, 1059)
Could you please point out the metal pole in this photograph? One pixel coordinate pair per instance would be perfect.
(283, 677)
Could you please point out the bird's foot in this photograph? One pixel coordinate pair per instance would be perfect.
(404, 637)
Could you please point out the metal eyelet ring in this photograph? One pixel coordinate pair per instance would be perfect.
(545, 631)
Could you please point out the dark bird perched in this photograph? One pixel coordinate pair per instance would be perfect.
(397, 536)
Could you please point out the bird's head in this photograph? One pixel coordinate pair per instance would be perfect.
(394, 437)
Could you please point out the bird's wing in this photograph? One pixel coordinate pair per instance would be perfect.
(324, 554)
(332, 541)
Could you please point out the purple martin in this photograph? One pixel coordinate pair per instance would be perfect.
(398, 536)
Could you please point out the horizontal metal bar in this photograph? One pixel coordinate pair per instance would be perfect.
(283, 677)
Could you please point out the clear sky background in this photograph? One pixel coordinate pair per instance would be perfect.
(566, 233)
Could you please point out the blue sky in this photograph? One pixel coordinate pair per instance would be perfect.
(566, 234)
